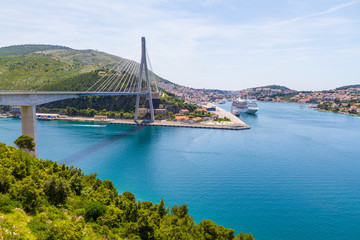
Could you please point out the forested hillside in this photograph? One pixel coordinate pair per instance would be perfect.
(56, 68)
(40, 199)
(45, 67)
(36, 72)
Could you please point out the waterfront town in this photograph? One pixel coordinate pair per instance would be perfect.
(342, 100)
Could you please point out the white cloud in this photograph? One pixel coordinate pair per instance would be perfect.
(195, 48)
(328, 11)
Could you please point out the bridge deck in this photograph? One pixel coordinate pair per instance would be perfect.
(7, 93)
(34, 98)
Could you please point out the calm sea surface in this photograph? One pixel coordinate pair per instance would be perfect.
(295, 175)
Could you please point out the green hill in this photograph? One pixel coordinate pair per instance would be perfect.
(27, 48)
(34, 72)
(41, 199)
(83, 57)
(65, 69)
(55, 68)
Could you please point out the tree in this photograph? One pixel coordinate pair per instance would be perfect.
(180, 212)
(28, 193)
(5, 180)
(129, 195)
(93, 210)
(25, 142)
(210, 231)
(161, 208)
(57, 190)
(244, 236)
(76, 184)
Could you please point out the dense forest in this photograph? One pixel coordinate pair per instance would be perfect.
(41, 199)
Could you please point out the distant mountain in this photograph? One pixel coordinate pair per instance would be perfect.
(348, 86)
(282, 88)
(28, 48)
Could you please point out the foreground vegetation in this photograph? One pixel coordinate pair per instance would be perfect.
(40, 199)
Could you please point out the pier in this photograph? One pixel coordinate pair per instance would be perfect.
(208, 125)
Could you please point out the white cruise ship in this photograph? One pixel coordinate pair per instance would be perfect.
(244, 106)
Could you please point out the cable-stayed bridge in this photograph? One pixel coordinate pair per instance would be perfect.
(126, 78)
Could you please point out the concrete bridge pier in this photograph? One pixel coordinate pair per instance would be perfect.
(28, 124)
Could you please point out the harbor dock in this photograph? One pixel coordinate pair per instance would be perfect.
(164, 123)
(235, 124)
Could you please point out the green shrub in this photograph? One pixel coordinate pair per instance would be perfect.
(5, 181)
(57, 190)
(93, 210)
(7, 204)
(80, 212)
(36, 226)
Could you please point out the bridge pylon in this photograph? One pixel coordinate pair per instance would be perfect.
(144, 68)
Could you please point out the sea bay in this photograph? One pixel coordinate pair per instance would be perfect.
(294, 175)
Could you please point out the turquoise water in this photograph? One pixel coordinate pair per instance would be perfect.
(294, 175)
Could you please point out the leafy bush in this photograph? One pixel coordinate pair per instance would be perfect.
(7, 204)
(36, 226)
(80, 212)
(93, 210)
(57, 190)
(5, 180)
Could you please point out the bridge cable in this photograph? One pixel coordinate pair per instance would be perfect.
(125, 79)
(129, 77)
(152, 71)
(132, 77)
(105, 84)
(122, 73)
(115, 80)
(134, 80)
(104, 75)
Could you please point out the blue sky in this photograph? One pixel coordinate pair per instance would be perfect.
(223, 44)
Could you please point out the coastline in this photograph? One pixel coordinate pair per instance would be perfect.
(164, 123)
(316, 108)
(235, 124)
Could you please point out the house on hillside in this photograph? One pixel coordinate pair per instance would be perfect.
(181, 118)
(184, 111)
(197, 119)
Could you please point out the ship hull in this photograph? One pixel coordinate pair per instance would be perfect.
(244, 106)
(236, 111)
